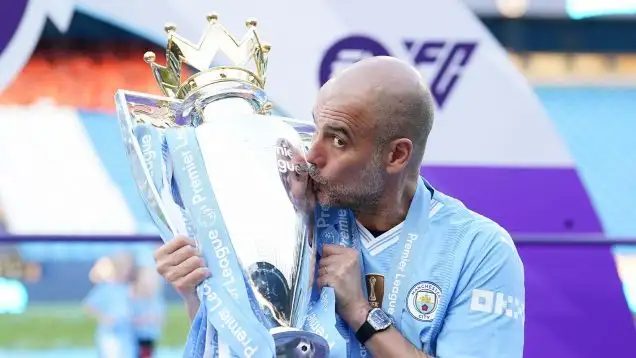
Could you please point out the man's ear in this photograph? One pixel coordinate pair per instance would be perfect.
(399, 155)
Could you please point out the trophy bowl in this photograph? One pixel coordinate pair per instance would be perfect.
(211, 162)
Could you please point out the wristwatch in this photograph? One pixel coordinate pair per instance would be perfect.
(377, 321)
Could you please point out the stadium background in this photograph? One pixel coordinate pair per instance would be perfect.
(582, 68)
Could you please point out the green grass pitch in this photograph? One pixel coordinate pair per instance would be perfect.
(48, 326)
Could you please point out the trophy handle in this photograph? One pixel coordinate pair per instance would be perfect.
(295, 343)
(134, 109)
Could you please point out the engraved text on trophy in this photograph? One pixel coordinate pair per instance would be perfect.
(207, 217)
(288, 158)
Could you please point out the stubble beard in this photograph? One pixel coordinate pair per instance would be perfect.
(363, 196)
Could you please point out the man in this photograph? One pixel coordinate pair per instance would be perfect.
(441, 280)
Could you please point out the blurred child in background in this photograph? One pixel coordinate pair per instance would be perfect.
(148, 310)
(109, 302)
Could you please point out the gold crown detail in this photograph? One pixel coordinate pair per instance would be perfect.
(200, 57)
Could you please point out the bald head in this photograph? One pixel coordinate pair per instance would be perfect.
(392, 94)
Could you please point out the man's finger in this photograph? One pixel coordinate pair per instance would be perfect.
(323, 271)
(173, 245)
(331, 249)
(328, 261)
(183, 269)
(178, 242)
(182, 254)
(323, 281)
(191, 264)
(192, 279)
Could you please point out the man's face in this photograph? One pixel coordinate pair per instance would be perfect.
(349, 170)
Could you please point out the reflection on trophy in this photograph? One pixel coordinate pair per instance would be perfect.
(210, 161)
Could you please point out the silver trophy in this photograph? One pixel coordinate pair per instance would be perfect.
(255, 166)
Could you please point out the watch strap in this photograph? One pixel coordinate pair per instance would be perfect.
(367, 331)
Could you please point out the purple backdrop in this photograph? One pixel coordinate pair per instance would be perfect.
(575, 306)
(523, 200)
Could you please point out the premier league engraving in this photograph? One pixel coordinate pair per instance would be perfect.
(212, 162)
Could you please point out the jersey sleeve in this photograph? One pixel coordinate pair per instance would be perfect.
(96, 297)
(486, 316)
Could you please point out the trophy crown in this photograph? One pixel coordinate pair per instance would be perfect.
(215, 39)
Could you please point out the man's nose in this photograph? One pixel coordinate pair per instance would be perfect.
(315, 155)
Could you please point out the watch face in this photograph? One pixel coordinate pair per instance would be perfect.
(378, 319)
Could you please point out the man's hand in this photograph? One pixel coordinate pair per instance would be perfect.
(181, 264)
(339, 268)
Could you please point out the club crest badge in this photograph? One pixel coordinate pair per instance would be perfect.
(422, 301)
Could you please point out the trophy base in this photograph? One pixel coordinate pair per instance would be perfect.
(294, 343)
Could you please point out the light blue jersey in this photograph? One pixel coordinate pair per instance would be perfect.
(466, 298)
(149, 316)
(115, 335)
(149, 312)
